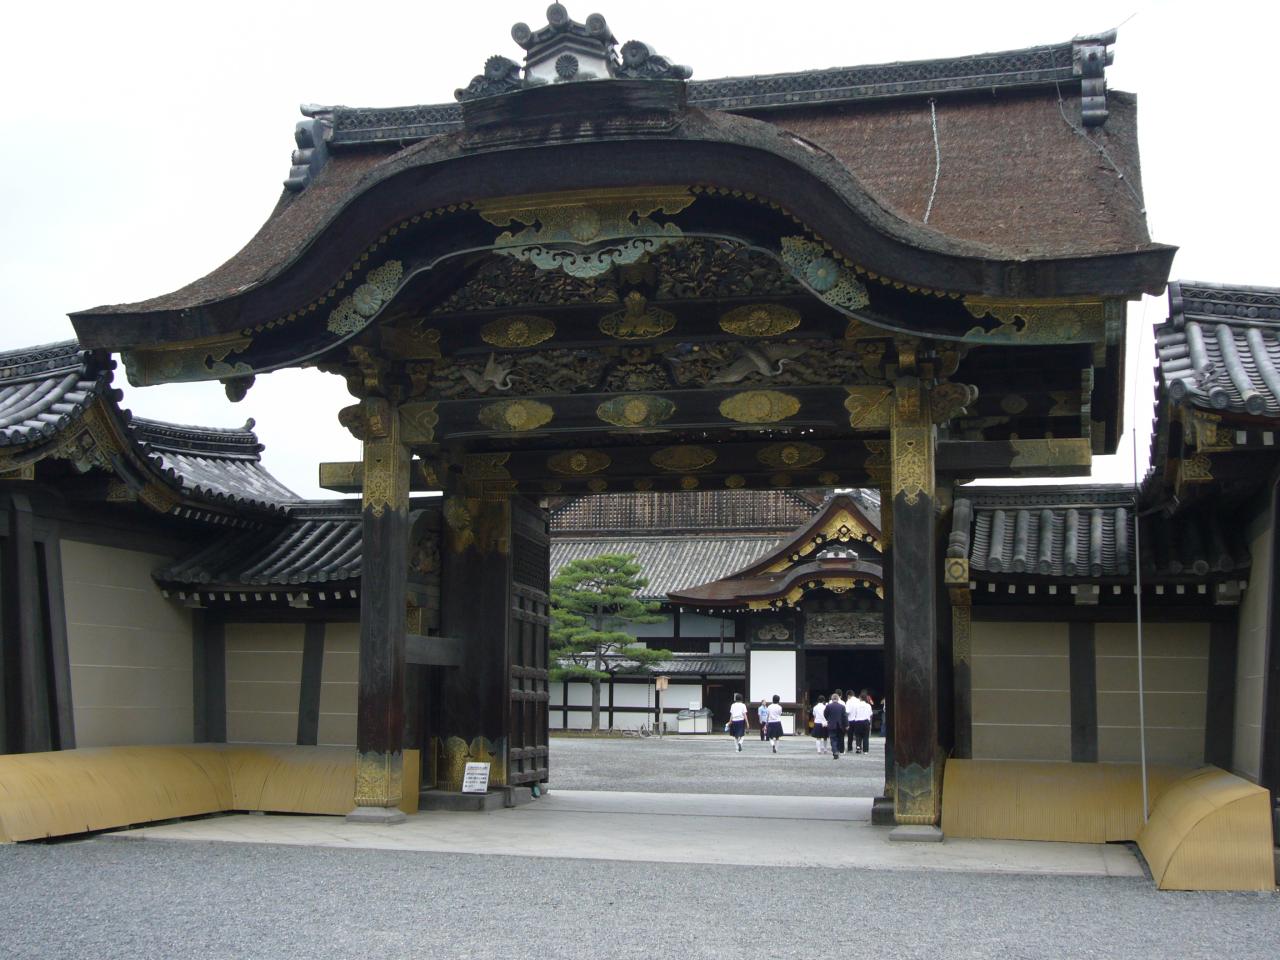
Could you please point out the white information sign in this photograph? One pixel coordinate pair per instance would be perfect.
(475, 779)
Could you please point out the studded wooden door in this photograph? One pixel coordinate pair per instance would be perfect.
(530, 619)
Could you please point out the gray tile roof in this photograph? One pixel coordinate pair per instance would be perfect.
(45, 389)
(669, 563)
(220, 465)
(688, 665)
(773, 511)
(320, 543)
(1087, 533)
(1220, 347)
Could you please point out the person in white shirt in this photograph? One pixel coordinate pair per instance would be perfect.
(820, 723)
(850, 708)
(737, 720)
(861, 724)
(774, 722)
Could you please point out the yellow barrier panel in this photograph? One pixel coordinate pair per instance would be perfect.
(1210, 831)
(1028, 800)
(74, 791)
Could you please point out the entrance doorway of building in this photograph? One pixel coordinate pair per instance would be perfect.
(857, 669)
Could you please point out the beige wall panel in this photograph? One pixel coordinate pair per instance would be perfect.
(264, 682)
(1031, 707)
(1020, 676)
(130, 649)
(1013, 639)
(1175, 678)
(1119, 708)
(1177, 746)
(1251, 647)
(1158, 639)
(1021, 742)
(339, 681)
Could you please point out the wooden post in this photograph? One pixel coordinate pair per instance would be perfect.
(28, 710)
(384, 566)
(476, 609)
(917, 759)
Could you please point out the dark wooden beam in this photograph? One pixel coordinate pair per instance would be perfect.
(1220, 701)
(29, 690)
(309, 691)
(1064, 457)
(209, 677)
(64, 726)
(1269, 767)
(433, 651)
(1083, 668)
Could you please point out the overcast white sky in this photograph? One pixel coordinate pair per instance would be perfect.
(144, 143)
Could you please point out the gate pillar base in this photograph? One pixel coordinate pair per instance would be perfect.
(916, 833)
(384, 815)
(882, 812)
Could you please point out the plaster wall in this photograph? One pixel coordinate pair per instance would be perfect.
(1021, 685)
(1251, 649)
(339, 685)
(130, 649)
(264, 682)
(698, 625)
(772, 672)
(1175, 666)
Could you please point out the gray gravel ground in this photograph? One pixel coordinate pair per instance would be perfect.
(709, 764)
(105, 899)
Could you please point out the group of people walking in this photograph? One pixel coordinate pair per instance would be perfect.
(840, 725)
(843, 724)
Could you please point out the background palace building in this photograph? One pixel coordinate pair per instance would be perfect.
(600, 306)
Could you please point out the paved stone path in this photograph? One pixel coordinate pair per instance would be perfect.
(709, 764)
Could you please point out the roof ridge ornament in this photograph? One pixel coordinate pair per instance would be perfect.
(567, 51)
(1091, 55)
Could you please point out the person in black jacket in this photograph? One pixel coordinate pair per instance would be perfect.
(836, 723)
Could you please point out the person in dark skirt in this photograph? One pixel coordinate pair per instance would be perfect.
(737, 720)
(775, 722)
(820, 723)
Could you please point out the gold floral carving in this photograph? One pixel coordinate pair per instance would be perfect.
(790, 456)
(760, 320)
(522, 330)
(386, 467)
(833, 282)
(597, 485)
(379, 778)
(459, 521)
(24, 472)
(682, 459)
(644, 483)
(418, 422)
(158, 498)
(579, 462)
(688, 483)
(1197, 469)
(636, 320)
(828, 479)
(735, 481)
(635, 410)
(1206, 431)
(911, 440)
(759, 406)
(961, 631)
(948, 400)
(353, 312)
(515, 415)
(1063, 322)
(956, 572)
(870, 408)
(780, 480)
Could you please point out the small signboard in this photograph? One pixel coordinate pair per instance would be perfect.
(475, 779)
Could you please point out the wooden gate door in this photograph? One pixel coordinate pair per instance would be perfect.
(530, 618)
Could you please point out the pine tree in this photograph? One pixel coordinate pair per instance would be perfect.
(591, 601)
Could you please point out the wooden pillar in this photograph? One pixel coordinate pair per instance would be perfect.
(27, 681)
(209, 679)
(384, 569)
(309, 689)
(1220, 705)
(476, 609)
(882, 806)
(916, 756)
(1083, 667)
